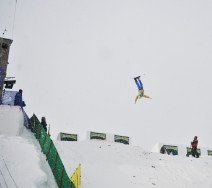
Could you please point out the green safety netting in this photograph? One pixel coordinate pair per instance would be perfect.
(42, 138)
(48, 148)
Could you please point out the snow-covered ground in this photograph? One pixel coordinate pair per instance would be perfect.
(103, 163)
(106, 164)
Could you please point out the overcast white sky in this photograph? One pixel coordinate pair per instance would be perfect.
(75, 60)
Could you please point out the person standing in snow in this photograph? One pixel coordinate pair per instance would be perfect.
(18, 99)
(140, 89)
(163, 150)
(194, 144)
(43, 123)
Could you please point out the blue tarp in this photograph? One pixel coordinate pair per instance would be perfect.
(8, 97)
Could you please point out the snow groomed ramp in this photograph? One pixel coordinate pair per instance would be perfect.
(48, 148)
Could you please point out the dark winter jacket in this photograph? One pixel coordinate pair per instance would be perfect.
(18, 100)
(194, 144)
(44, 124)
(163, 150)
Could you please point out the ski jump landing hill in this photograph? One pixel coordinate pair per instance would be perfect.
(105, 163)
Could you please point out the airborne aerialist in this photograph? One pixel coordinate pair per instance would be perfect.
(140, 89)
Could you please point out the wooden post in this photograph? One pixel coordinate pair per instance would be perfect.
(4, 55)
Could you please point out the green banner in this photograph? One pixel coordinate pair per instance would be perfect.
(122, 139)
(210, 152)
(68, 137)
(171, 150)
(189, 151)
(98, 136)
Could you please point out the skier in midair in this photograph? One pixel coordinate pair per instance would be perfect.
(140, 89)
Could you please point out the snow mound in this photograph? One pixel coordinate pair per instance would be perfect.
(11, 120)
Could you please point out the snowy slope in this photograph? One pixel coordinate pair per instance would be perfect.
(21, 162)
(106, 164)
